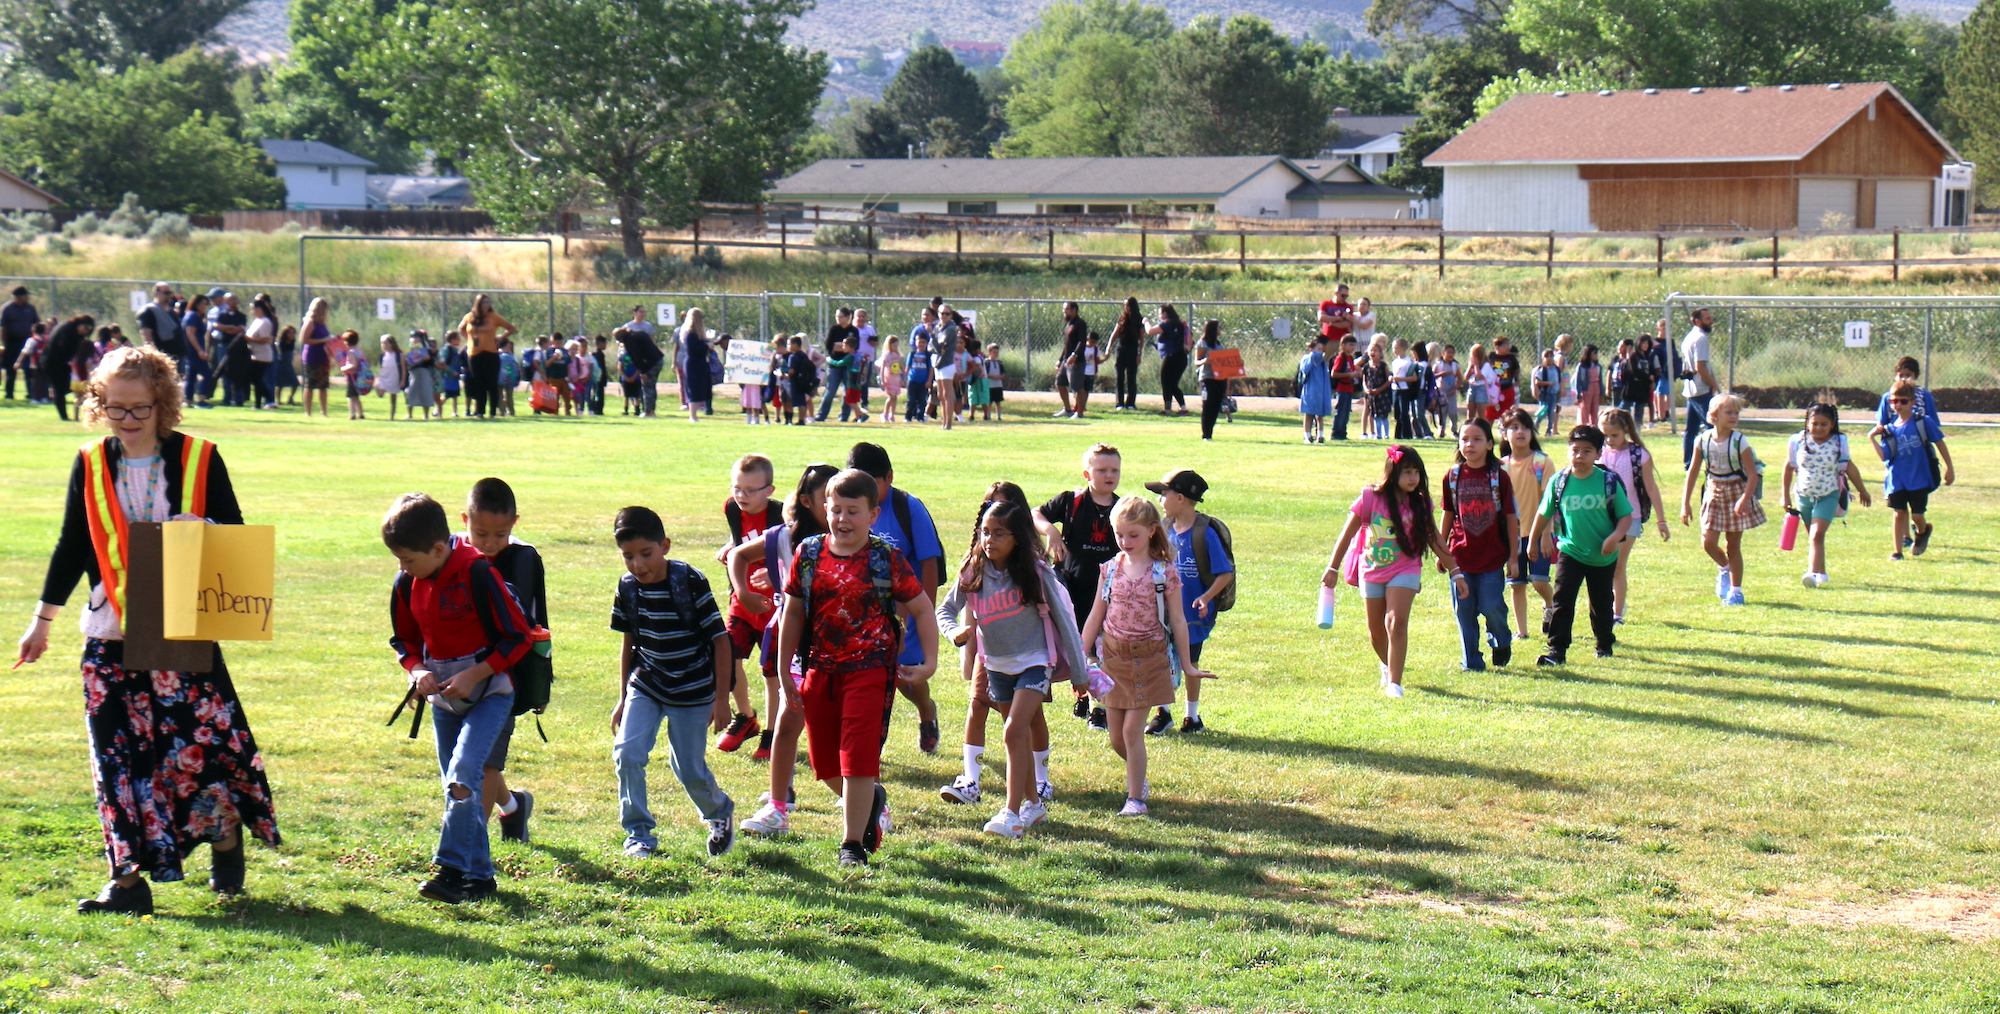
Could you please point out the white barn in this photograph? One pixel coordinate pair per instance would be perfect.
(319, 176)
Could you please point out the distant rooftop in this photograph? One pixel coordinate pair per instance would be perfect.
(310, 153)
(1356, 131)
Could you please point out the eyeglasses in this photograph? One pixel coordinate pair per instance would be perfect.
(120, 413)
(1899, 401)
(746, 491)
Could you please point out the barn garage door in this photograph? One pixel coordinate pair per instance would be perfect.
(1820, 198)
(1902, 204)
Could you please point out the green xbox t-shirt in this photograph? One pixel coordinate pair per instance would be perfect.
(1586, 522)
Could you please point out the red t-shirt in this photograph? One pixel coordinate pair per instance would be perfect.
(1481, 500)
(1341, 328)
(753, 526)
(849, 629)
(1345, 364)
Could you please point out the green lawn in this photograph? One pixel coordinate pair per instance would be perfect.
(1747, 810)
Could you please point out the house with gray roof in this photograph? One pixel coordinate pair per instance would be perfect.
(1370, 142)
(1251, 186)
(319, 176)
(386, 191)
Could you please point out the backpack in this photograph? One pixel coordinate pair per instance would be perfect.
(1613, 485)
(1109, 569)
(1225, 600)
(1299, 375)
(899, 505)
(881, 576)
(1493, 469)
(1840, 481)
(510, 371)
(531, 680)
(1737, 444)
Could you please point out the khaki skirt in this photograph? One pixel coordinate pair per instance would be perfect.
(1141, 676)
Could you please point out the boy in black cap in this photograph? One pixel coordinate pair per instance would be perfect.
(1204, 555)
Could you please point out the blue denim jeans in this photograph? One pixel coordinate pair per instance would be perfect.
(463, 743)
(836, 387)
(200, 382)
(1697, 421)
(1486, 596)
(1343, 407)
(916, 401)
(687, 749)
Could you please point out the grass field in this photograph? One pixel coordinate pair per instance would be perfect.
(1785, 807)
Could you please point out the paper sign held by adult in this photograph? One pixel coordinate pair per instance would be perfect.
(145, 648)
(217, 581)
(1227, 364)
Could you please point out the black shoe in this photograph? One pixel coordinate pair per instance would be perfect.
(1604, 653)
(1082, 709)
(1550, 659)
(721, 837)
(225, 870)
(134, 900)
(871, 835)
(1923, 541)
(927, 736)
(1162, 721)
(1191, 725)
(1098, 721)
(852, 854)
(1503, 654)
(448, 886)
(514, 826)
(480, 890)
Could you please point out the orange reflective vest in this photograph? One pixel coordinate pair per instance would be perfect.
(109, 529)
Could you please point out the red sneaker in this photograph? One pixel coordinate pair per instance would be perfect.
(763, 746)
(741, 727)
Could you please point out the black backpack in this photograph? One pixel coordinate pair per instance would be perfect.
(1225, 600)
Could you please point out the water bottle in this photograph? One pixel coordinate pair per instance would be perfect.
(1790, 536)
(1326, 598)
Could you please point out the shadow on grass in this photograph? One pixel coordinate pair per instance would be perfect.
(1696, 722)
(1396, 763)
(1887, 686)
(1714, 693)
(1970, 593)
(1202, 865)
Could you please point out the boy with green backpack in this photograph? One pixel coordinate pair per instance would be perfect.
(1586, 516)
(1206, 557)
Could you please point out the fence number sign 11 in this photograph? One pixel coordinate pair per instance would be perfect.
(665, 315)
(1857, 334)
(385, 309)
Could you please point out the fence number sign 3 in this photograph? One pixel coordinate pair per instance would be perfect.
(1857, 334)
(385, 309)
(666, 316)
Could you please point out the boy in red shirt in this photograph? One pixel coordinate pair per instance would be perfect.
(457, 630)
(849, 590)
(749, 511)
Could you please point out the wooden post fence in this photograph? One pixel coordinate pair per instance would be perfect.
(1440, 253)
(1052, 249)
(1242, 246)
(1336, 255)
(784, 237)
(958, 246)
(1659, 255)
(694, 245)
(1550, 273)
(1896, 255)
(1774, 255)
(1142, 249)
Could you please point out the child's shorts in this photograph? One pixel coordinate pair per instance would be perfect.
(1141, 674)
(847, 720)
(1916, 501)
(1819, 508)
(996, 394)
(1533, 568)
(743, 636)
(1372, 590)
(1000, 686)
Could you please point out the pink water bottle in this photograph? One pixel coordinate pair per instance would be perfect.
(1790, 536)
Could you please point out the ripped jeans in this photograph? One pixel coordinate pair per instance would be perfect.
(463, 743)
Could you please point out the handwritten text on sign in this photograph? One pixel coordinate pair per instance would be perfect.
(217, 581)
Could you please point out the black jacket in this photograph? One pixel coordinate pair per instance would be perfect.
(75, 558)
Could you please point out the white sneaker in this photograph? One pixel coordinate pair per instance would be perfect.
(961, 790)
(1033, 813)
(639, 850)
(770, 820)
(1046, 791)
(1385, 672)
(1722, 583)
(884, 825)
(1392, 689)
(1006, 824)
(1810, 580)
(1820, 580)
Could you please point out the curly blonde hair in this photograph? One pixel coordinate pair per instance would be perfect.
(148, 366)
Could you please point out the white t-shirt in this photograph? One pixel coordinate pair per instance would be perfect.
(1401, 371)
(1694, 349)
(261, 327)
(1364, 327)
(865, 348)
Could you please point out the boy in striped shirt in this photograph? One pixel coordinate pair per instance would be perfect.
(674, 668)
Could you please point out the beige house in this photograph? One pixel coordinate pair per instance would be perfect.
(17, 194)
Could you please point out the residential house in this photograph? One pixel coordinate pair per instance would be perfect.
(319, 176)
(419, 192)
(1370, 142)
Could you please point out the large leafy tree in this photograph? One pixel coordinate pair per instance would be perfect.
(1972, 93)
(1235, 89)
(165, 131)
(117, 33)
(1713, 43)
(1365, 88)
(314, 94)
(934, 99)
(1081, 75)
(1456, 72)
(651, 105)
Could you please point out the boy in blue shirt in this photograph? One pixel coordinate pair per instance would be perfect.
(1906, 445)
(917, 373)
(905, 523)
(1179, 492)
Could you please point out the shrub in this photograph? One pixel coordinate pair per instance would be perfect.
(1187, 246)
(711, 258)
(169, 228)
(58, 246)
(1961, 244)
(845, 235)
(83, 225)
(123, 229)
(617, 271)
(129, 211)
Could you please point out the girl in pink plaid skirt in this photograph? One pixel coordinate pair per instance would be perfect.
(1730, 505)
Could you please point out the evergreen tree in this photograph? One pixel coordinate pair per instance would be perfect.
(1972, 94)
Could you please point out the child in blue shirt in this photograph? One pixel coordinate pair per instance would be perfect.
(1179, 492)
(917, 399)
(1906, 444)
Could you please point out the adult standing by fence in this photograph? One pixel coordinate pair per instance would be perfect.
(1125, 336)
(483, 330)
(17, 321)
(262, 336)
(1336, 319)
(1072, 382)
(697, 387)
(199, 363)
(1697, 382)
(173, 759)
(1171, 337)
(1214, 392)
(647, 359)
(316, 355)
(160, 325)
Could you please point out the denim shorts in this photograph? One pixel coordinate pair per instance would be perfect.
(1000, 686)
(1532, 568)
(1371, 590)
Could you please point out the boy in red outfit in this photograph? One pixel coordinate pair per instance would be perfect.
(457, 630)
(852, 592)
(748, 511)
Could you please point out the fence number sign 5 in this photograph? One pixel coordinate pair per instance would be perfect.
(385, 309)
(666, 316)
(1857, 334)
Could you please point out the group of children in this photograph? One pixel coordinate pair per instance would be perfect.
(834, 592)
(946, 375)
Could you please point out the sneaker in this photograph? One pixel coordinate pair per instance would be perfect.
(1821, 580)
(134, 900)
(1082, 709)
(852, 854)
(1191, 725)
(1061, 415)
(961, 790)
(1132, 808)
(1163, 720)
(1923, 541)
(1392, 690)
(1896, 557)
(1384, 668)
(1604, 653)
(1548, 614)
(225, 870)
(1006, 824)
(1045, 791)
(514, 826)
(741, 727)
(1033, 813)
(1617, 620)
(763, 746)
(1722, 583)
(480, 888)
(927, 736)
(639, 850)
(878, 820)
(1807, 580)
(449, 885)
(721, 837)
(771, 820)
(1551, 659)
(1907, 541)
(1098, 722)
(1735, 598)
